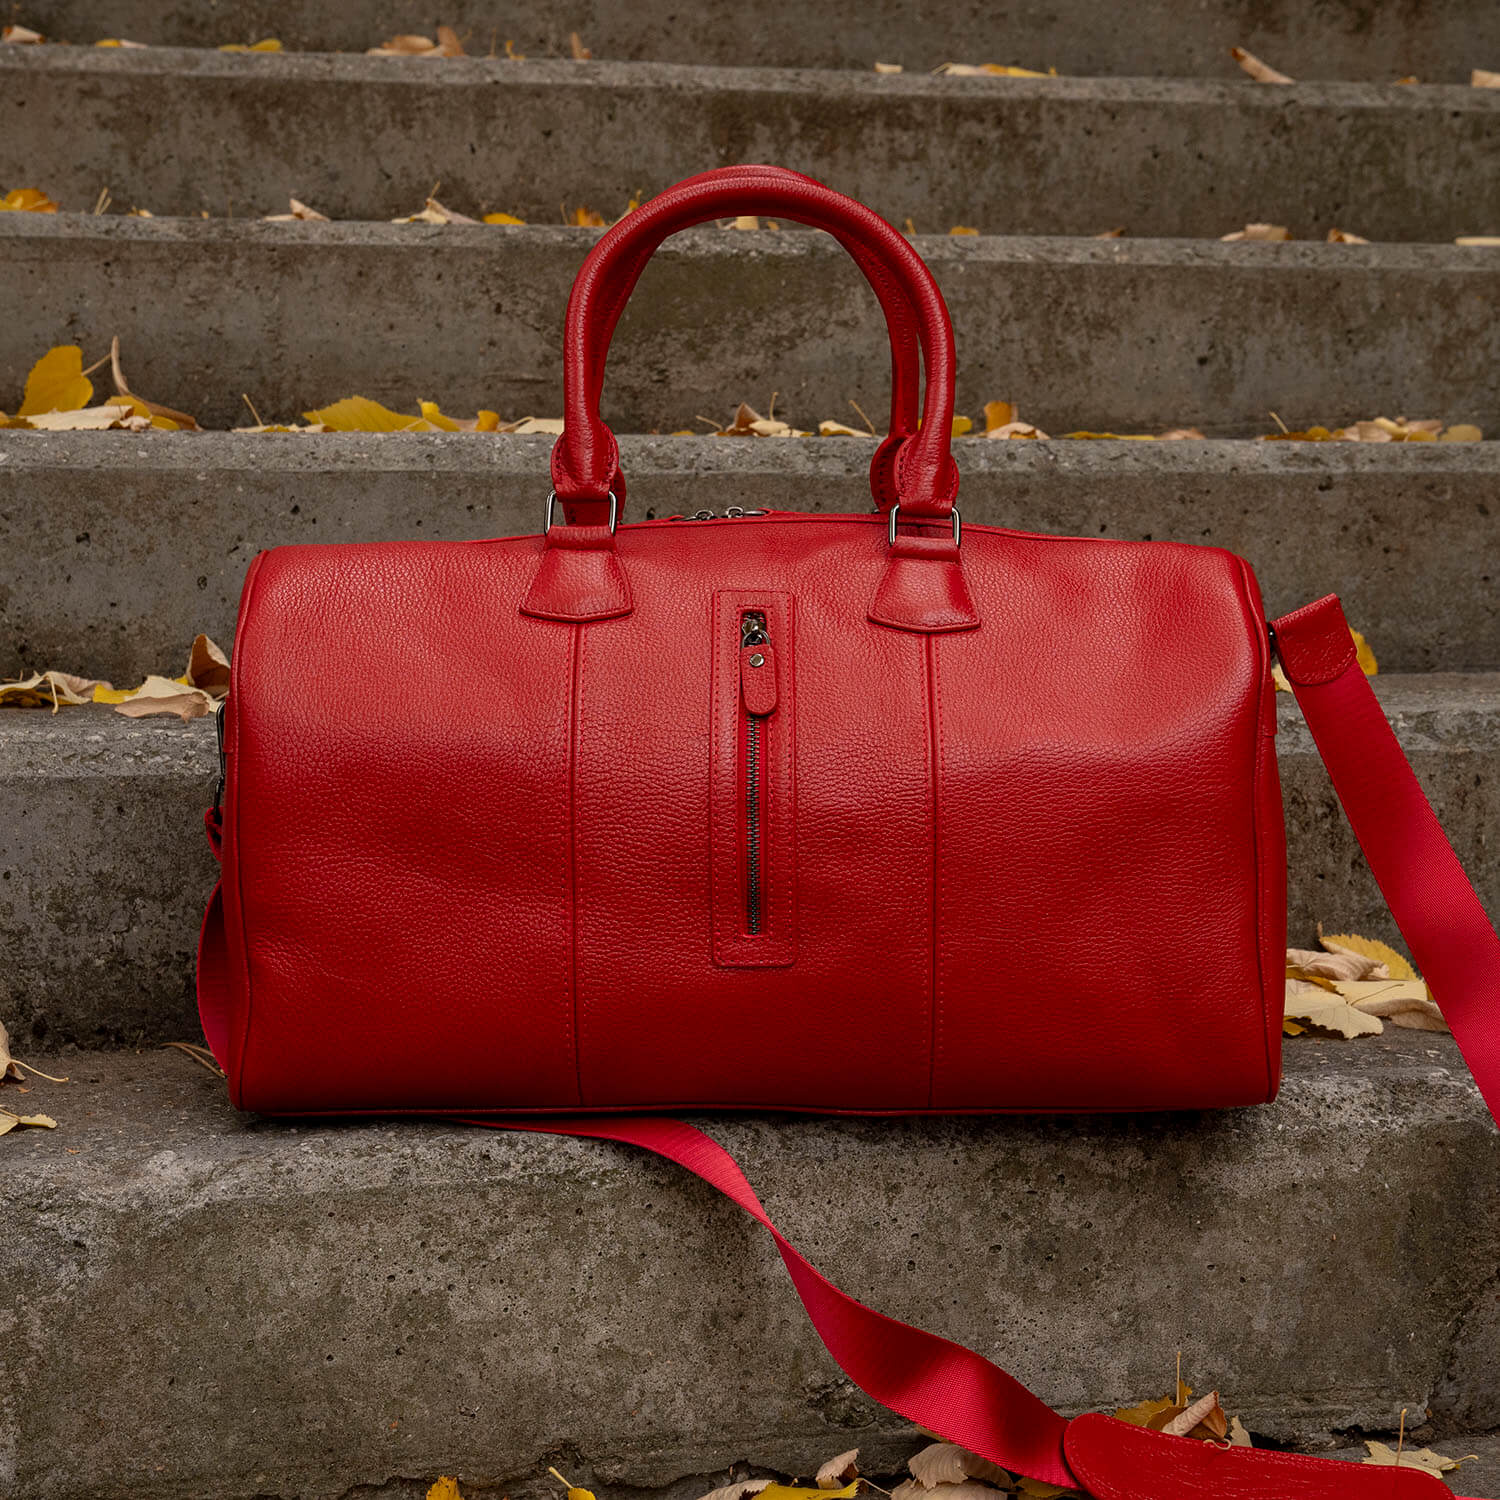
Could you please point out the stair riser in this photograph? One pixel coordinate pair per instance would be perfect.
(365, 138)
(252, 1312)
(1115, 335)
(129, 546)
(105, 868)
(1334, 39)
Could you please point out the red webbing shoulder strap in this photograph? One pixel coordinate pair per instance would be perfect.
(948, 1389)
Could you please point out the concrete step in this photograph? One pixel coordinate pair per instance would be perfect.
(1113, 335)
(104, 870)
(205, 1305)
(1334, 39)
(365, 138)
(120, 547)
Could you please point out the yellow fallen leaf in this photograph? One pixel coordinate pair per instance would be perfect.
(1039, 1489)
(57, 383)
(1477, 239)
(1384, 1456)
(839, 429)
(1343, 237)
(583, 218)
(995, 70)
(28, 200)
(1259, 71)
(574, 1492)
(1396, 965)
(1460, 432)
(881, 67)
(1483, 78)
(529, 425)
(1306, 435)
(9, 1121)
(1145, 1412)
(360, 414)
(487, 421)
(839, 1471)
(1016, 429)
(159, 695)
(502, 219)
(431, 413)
(445, 1489)
(115, 41)
(997, 414)
(266, 44)
(1118, 437)
(1267, 232)
(798, 1492)
(962, 229)
(19, 35)
(1405, 1003)
(962, 425)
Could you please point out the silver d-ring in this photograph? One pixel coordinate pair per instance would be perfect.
(958, 525)
(614, 512)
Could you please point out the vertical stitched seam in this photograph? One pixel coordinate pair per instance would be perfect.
(932, 763)
(575, 684)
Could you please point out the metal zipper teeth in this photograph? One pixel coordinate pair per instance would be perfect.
(753, 633)
(753, 900)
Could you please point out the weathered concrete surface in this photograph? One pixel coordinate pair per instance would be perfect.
(1113, 335)
(120, 547)
(181, 132)
(104, 870)
(1307, 38)
(201, 1304)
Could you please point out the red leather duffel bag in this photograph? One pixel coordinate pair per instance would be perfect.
(872, 813)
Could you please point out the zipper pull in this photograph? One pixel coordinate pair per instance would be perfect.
(757, 667)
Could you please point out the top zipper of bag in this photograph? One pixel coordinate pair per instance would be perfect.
(732, 513)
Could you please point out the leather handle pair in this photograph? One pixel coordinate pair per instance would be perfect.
(914, 468)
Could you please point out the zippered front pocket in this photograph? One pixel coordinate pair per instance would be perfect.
(752, 817)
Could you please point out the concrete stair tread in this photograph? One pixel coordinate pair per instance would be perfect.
(362, 137)
(132, 543)
(1335, 40)
(382, 1280)
(1121, 335)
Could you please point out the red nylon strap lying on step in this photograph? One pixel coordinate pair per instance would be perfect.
(948, 1389)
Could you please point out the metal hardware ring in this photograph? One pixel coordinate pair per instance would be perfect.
(958, 525)
(614, 512)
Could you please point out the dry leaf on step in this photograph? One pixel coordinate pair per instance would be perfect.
(1328, 1010)
(160, 695)
(964, 1489)
(90, 419)
(1403, 1002)
(1259, 71)
(50, 690)
(1343, 237)
(1273, 233)
(408, 45)
(299, 210)
(840, 1471)
(9, 1121)
(806, 1492)
(1310, 963)
(948, 1464)
(157, 415)
(993, 70)
(1206, 1413)
(433, 212)
(738, 1491)
(1483, 78)
(1349, 944)
(28, 200)
(881, 67)
(56, 383)
(1384, 1456)
(18, 36)
(446, 1488)
(8, 1067)
(207, 667)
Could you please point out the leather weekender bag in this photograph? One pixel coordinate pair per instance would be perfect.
(877, 813)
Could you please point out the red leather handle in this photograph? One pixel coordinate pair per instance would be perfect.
(585, 461)
(900, 323)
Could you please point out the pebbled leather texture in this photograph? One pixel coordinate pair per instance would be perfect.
(1314, 643)
(497, 836)
(1113, 1460)
(923, 587)
(578, 577)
